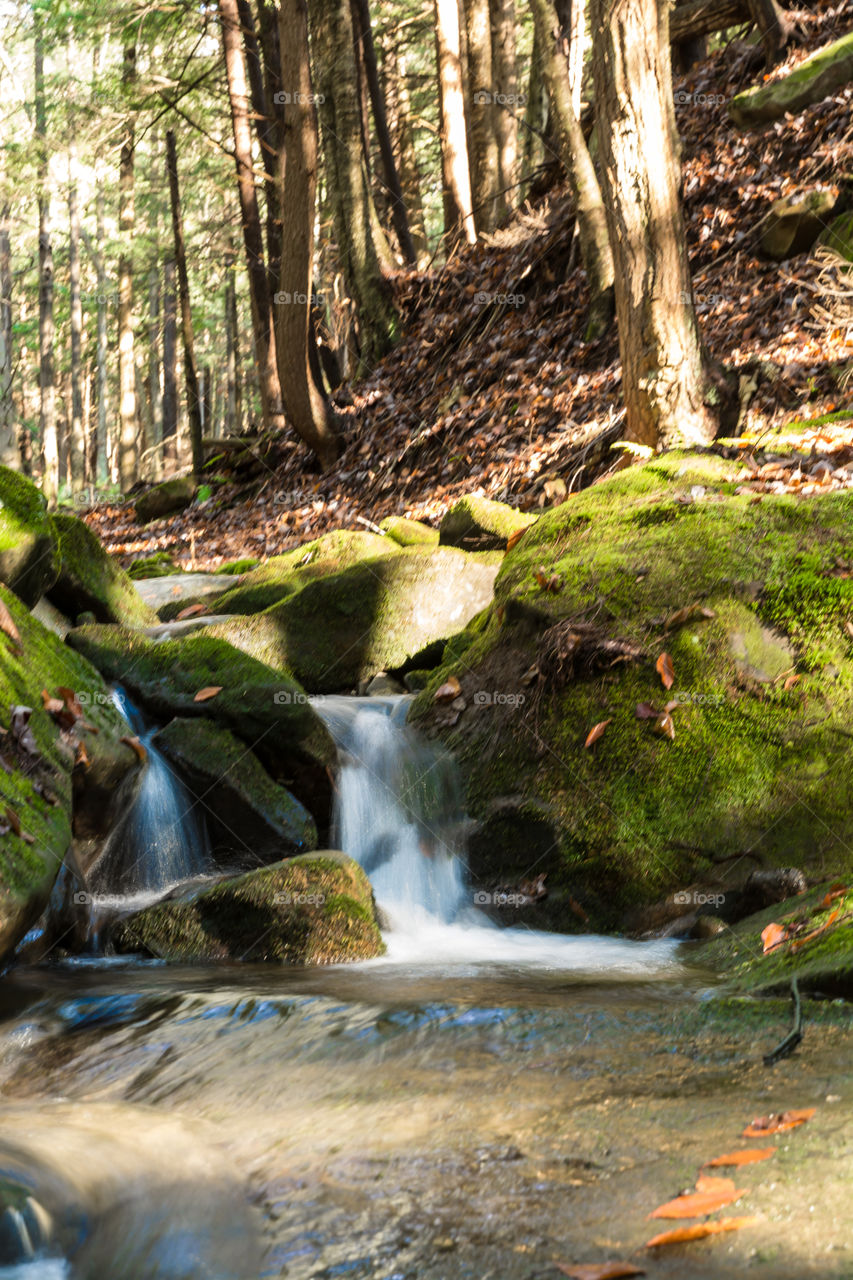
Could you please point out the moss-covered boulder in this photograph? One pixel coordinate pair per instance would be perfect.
(29, 561)
(45, 770)
(266, 709)
(282, 576)
(838, 236)
(753, 604)
(173, 593)
(409, 533)
(795, 222)
(89, 580)
(249, 817)
(314, 909)
(343, 628)
(479, 524)
(814, 944)
(812, 81)
(158, 565)
(165, 499)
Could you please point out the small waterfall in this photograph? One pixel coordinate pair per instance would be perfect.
(163, 838)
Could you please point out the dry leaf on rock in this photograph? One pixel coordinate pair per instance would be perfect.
(735, 1158)
(778, 1122)
(681, 1235)
(599, 1270)
(596, 731)
(204, 695)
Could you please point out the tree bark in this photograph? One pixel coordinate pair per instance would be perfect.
(505, 73)
(307, 407)
(535, 114)
(128, 460)
(259, 289)
(170, 363)
(666, 381)
(267, 134)
(47, 328)
(100, 466)
(400, 123)
(481, 109)
(78, 440)
(10, 455)
(190, 370)
(456, 176)
(352, 203)
(234, 389)
(702, 17)
(574, 153)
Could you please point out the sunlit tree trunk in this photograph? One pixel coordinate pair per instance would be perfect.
(9, 452)
(78, 440)
(47, 328)
(402, 136)
(505, 70)
(456, 177)
(670, 395)
(233, 381)
(190, 369)
(535, 113)
(481, 110)
(128, 460)
(170, 362)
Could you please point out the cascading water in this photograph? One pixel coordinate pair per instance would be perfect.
(398, 811)
(163, 838)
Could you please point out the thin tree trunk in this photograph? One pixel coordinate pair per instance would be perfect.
(47, 329)
(170, 356)
(267, 133)
(507, 99)
(456, 178)
(308, 409)
(399, 215)
(155, 383)
(535, 113)
(574, 153)
(190, 370)
(10, 455)
(775, 26)
(78, 440)
(400, 122)
(101, 468)
(481, 108)
(669, 391)
(128, 459)
(259, 291)
(356, 223)
(234, 409)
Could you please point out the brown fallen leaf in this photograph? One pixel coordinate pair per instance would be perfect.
(645, 711)
(664, 668)
(699, 1231)
(664, 725)
(695, 1204)
(778, 1122)
(204, 695)
(53, 706)
(687, 614)
(548, 582)
(81, 756)
(835, 891)
(596, 731)
(13, 820)
(69, 697)
(7, 624)
(514, 538)
(790, 682)
(816, 933)
(773, 936)
(578, 910)
(735, 1158)
(448, 691)
(598, 1270)
(135, 745)
(191, 611)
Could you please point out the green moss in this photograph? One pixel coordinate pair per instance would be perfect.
(158, 565)
(479, 524)
(409, 533)
(28, 553)
(237, 567)
(815, 78)
(90, 581)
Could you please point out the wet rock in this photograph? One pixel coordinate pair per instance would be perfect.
(775, 884)
(383, 686)
(29, 560)
(479, 524)
(165, 499)
(707, 927)
(314, 909)
(89, 580)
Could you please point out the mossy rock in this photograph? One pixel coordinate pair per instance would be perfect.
(174, 592)
(479, 524)
(282, 576)
(409, 533)
(158, 565)
(29, 560)
(795, 222)
(34, 780)
(250, 817)
(314, 909)
(89, 580)
(343, 628)
(263, 707)
(165, 499)
(238, 567)
(812, 81)
(822, 963)
(764, 686)
(838, 236)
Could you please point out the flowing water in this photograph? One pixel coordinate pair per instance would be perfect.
(477, 1105)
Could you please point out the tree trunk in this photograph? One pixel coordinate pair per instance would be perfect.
(101, 465)
(234, 400)
(259, 290)
(400, 122)
(155, 383)
(399, 215)
(574, 153)
(78, 439)
(267, 133)
(10, 455)
(47, 329)
(507, 100)
(775, 26)
(308, 409)
(128, 460)
(481, 106)
(456, 177)
(666, 382)
(190, 371)
(352, 203)
(170, 363)
(702, 17)
(535, 114)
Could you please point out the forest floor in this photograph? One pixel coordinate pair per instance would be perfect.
(493, 389)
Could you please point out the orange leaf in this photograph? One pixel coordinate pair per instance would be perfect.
(7, 624)
(697, 1203)
(135, 745)
(448, 691)
(664, 725)
(699, 1231)
(749, 1156)
(663, 666)
(773, 936)
(790, 682)
(599, 1270)
(513, 538)
(836, 890)
(708, 1184)
(204, 695)
(81, 756)
(778, 1123)
(816, 933)
(191, 611)
(596, 731)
